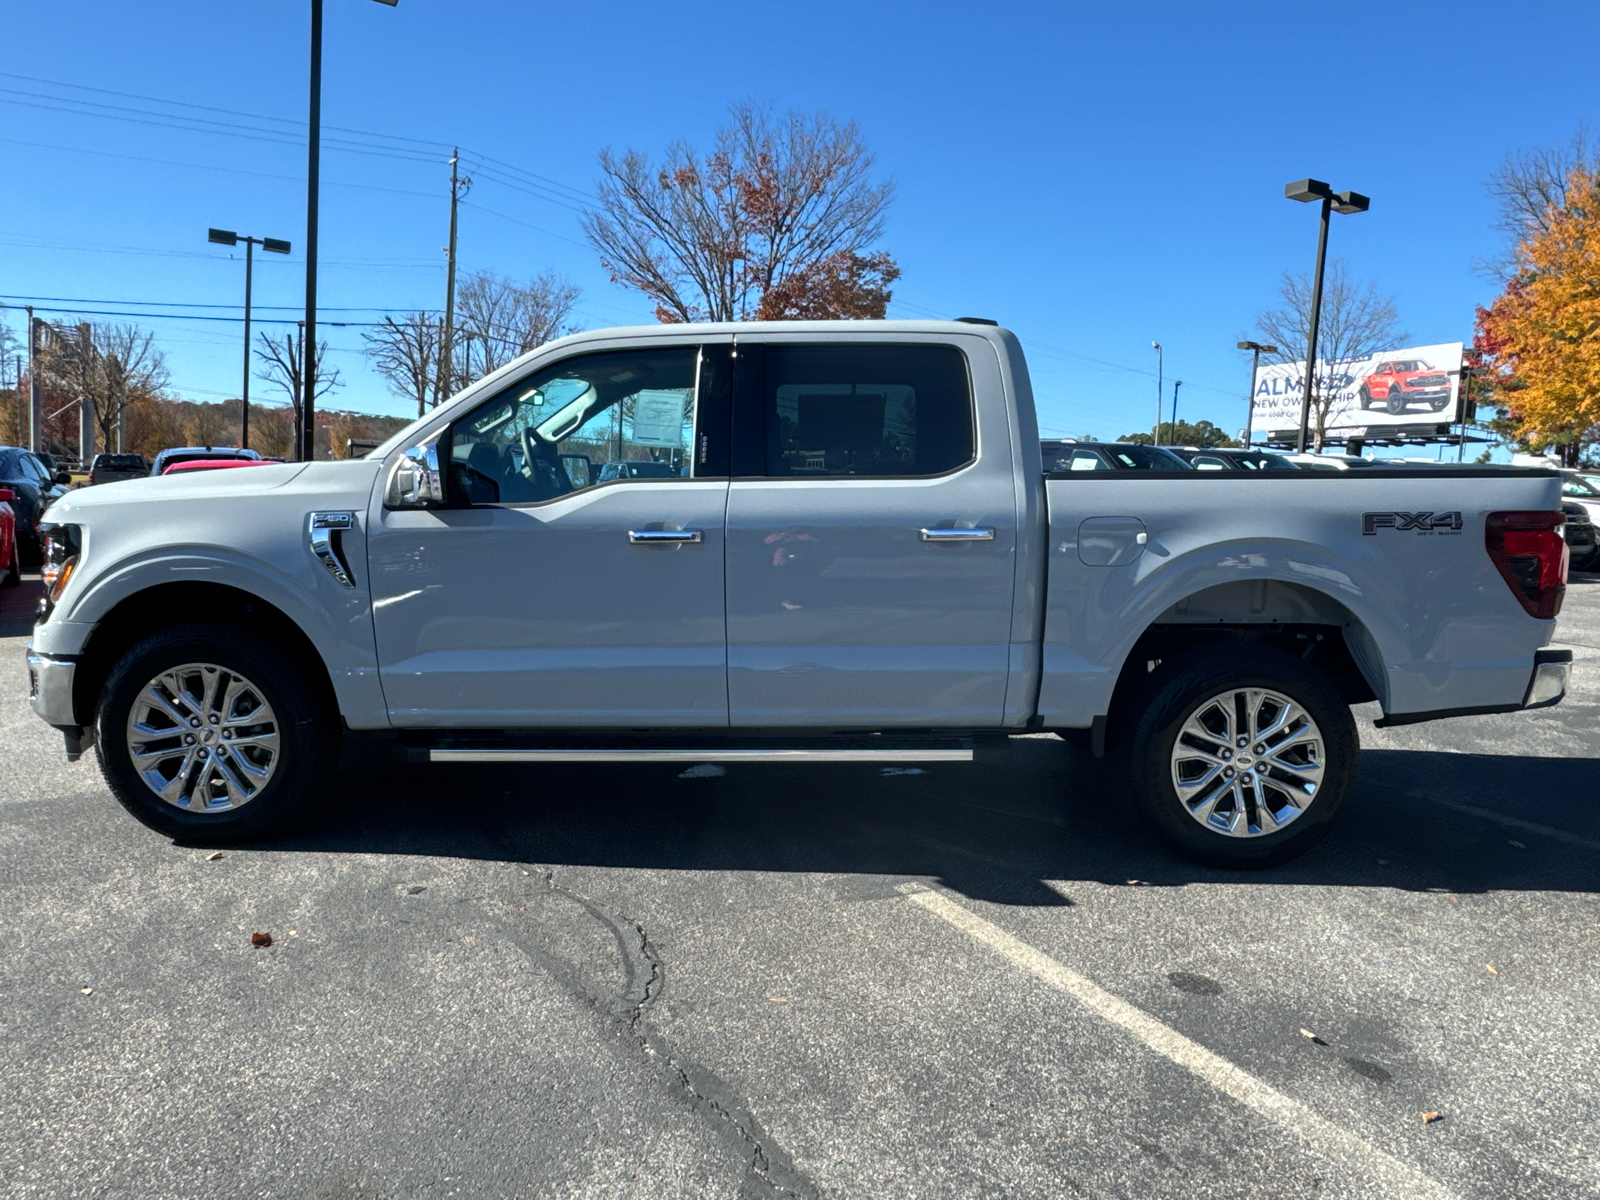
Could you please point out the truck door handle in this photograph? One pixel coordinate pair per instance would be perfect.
(656, 537)
(956, 535)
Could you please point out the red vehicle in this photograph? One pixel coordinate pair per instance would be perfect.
(1401, 382)
(189, 466)
(8, 541)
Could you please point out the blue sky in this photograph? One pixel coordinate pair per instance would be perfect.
(1093, 176)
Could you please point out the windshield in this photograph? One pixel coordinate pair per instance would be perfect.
(1581, 485)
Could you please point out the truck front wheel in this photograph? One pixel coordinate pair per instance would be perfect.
(204, 734)
(1239, 756)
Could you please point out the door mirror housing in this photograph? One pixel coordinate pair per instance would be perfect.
(415, 481)
(63, 478)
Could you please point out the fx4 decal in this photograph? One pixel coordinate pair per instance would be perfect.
(1421, 522)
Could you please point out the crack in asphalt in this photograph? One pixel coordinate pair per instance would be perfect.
(770, 1173)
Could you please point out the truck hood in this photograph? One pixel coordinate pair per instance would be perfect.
(338, 478)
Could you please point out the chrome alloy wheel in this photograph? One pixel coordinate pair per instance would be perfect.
(1248, 762)
(203, 738)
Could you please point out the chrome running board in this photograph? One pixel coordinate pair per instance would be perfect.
(701, 756)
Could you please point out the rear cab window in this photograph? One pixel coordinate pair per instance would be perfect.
(853, 410)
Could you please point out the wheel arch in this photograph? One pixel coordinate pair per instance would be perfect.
(1296, 617)
(152, 608)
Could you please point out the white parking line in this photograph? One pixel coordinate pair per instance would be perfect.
(1392, 1176)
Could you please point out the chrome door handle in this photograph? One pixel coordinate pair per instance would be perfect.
(656, 537)
(956, 535)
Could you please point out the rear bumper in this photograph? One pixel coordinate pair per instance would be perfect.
(1547, 684)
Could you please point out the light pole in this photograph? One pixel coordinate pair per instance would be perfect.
(227, 237)
(1257, 350)
(313, 160)
(1176, 384)
(1156, 346)
(1307, 190)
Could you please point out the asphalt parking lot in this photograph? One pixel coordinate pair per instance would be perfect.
(809, 981)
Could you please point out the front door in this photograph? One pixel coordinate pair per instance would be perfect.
(576, 576)
(871, 546)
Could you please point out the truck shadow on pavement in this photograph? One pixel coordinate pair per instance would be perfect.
(1020, 833)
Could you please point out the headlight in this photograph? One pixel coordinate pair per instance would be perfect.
(62, 546)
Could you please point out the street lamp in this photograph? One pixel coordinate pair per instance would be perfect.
(1257, 350)
(227, 237)
(1156, 346)
(1307, 190)
(313, 160)
(1176, 384)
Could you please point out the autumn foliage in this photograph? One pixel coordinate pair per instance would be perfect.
(1540, 340)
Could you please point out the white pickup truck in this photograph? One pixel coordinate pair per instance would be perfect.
(789, 542)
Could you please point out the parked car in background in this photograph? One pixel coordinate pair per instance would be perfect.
(190, 465)
(12, 571)
(1580, 535)
(184, 453)
(1402, 382)
(109, 468)
(33, 487)
(1227, 459)
(1071, 454)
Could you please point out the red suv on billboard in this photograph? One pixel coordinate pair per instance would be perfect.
(1401, 382)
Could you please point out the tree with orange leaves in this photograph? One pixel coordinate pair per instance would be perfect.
(1540, 339)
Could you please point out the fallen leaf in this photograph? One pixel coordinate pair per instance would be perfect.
(1136, 883)
(1455, 899)
(86, 990)
(417, 890)
(779, 999)
(1306, 1033)
(214, 855)
(261, 940)
(1490, 968)
(1516, 843)
(1428, 1118)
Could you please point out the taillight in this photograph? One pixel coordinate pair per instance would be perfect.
(1531, 553)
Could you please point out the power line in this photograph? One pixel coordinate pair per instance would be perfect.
(188, 304)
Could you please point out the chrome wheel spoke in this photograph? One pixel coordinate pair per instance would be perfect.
(1247, 762)
(203, 738)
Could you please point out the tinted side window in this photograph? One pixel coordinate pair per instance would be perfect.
(593, 419)
(866, 410)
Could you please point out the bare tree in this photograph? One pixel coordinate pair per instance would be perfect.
(1529, 186)
(1355, 322)
(112, 367)
(406, 354)
(707, 237)
(507, 319)
(281, 360)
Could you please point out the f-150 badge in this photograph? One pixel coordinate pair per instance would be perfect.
(1421, 522)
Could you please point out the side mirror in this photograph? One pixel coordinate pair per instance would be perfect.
(415, 481)
(64, 479)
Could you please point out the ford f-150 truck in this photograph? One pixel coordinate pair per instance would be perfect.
(853, 553)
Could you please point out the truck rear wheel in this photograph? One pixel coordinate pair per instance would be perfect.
(1240, 756)
(204, 734)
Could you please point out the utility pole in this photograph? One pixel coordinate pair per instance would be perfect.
(18, 391)
(1156, 346)
(85, 401)
(297, 384)
(1176, 384)
(35, 414)
(445, 383)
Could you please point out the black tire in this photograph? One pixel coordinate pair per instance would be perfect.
(1154, 719)
(307, 725)
(1365, 397)
(1397, 402)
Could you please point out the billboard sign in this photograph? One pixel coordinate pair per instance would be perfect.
(1372, 396)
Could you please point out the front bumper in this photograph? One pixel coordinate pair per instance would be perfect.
(1552, 672)
(50, 688)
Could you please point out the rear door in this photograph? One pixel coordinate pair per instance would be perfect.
(871, 535)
